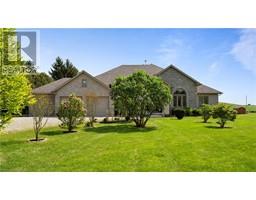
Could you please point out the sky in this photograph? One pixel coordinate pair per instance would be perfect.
(224, 59)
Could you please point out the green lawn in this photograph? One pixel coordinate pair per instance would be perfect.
(166, 145)
(249, 108)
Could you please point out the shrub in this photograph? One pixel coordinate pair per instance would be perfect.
(241, 110)
(71, 113)
(223, 113)
(196, 112)
(179, 113)
(88, 124)
(206, 112)
(105, 120)
(188, 111)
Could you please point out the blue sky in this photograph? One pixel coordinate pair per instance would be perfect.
(221, 58)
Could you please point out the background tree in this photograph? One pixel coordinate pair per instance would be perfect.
(71, 112)
(15, 89)
(206, 112)
(223, 113)
(36, 79)
(62, 70)
(139, 95)
(40, 111)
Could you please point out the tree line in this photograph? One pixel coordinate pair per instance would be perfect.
(60, 69)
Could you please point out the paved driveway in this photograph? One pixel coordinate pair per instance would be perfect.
(25, 123)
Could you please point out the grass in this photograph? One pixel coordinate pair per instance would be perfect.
(249, 108)
(167, 144)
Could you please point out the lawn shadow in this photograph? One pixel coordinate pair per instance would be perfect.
(217, 127)
(12, 142)
(121, 128)
(201, 122)
(52, 133)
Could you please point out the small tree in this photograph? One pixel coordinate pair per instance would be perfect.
(223, 113)
(139, 95)
(206, 112)
(40, 110)
(71, 112)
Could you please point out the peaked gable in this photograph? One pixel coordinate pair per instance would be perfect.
(87, 74)
(179, 71)
(54, 86)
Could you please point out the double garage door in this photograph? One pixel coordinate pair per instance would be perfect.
(101, 105)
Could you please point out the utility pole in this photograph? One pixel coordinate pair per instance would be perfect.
(246, 100)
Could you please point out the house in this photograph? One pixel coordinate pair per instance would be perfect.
(187, 92)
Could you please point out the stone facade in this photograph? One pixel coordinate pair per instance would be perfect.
(176, 80)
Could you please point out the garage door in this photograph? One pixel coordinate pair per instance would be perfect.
(102, 106)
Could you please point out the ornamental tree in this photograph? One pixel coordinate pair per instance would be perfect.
(15, 89)
(139, 95)
(40, 111)
(71, 112)
(223, 113)
(206, 112)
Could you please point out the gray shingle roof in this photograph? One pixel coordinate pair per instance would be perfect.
(108, 77)
(203, 89)
(50, 87)
(124, 70)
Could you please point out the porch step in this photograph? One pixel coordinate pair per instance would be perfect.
(157, 114)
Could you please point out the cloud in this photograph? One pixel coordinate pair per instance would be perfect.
(170, 50)
(244, 50)
(213, 67)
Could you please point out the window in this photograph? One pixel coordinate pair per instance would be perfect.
(84, 83)
(179, 98)
(203, 100)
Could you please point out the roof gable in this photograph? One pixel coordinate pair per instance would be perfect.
(54, 86)
(181, 72)
(86, 73)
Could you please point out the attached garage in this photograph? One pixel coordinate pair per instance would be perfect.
(102, 105)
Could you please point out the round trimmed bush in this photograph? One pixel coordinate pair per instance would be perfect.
(196, 112)
(179, 113)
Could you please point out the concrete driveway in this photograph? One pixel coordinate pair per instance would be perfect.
(26, 123)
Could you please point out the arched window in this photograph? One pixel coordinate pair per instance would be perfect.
(180, 98)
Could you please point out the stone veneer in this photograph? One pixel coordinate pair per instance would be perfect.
(177, 80)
